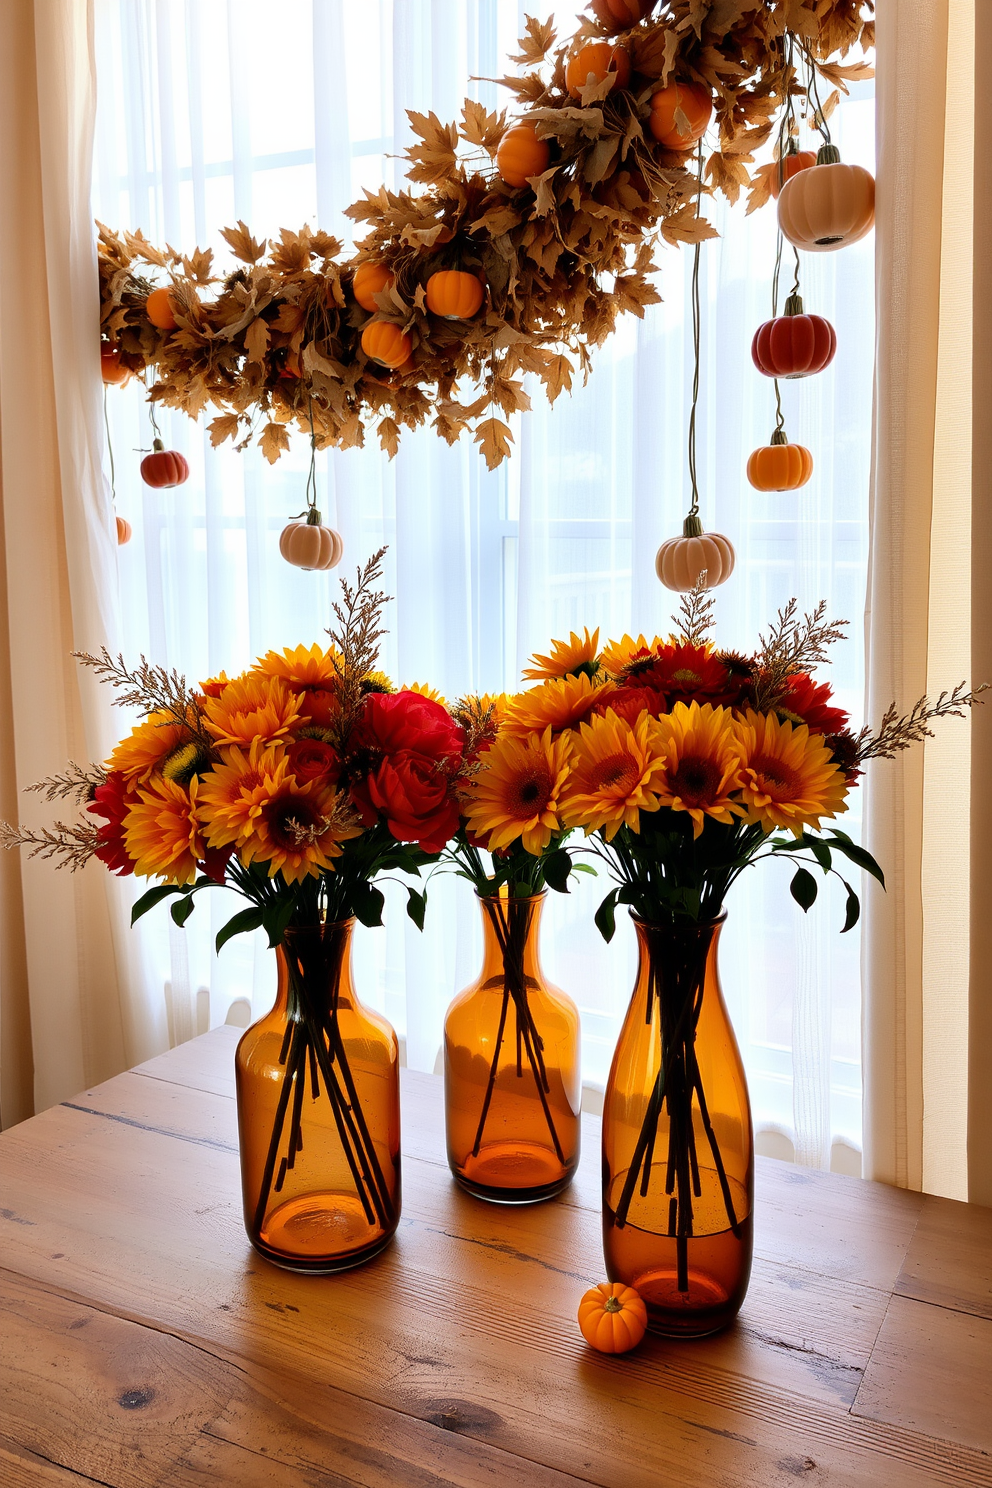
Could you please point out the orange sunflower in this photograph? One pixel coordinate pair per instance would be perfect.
(311, 672)
(617, 655)
(702, 763)
(789, 777)
(516, 791)
(299, 830)
(253, 706)
(560, 703)
(616, 773)
(148, 746)
(568, 658)
(232, 795)
(162, 833)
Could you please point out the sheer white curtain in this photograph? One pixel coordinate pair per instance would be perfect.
(202, 119)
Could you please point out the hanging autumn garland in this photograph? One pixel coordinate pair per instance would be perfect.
(530, 237)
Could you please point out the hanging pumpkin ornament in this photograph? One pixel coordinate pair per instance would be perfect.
(369, 280)
(789, 165)
(594, 62)
(164, 468)
(124, 531)
(454, 294)
(682, 561)
(829, 205)
(385, 342)
(158, 308)
(619, 14)
(680, 114)
(521, 155)
(111, 368)
(309, 545)
(794, 344)
(780, 466)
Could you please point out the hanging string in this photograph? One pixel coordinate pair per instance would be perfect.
(694, 506)
(312, 514)
(110, 448)
(819, 119)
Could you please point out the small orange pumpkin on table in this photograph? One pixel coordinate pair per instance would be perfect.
(454, 294)
(593, 63)
(613, 1317)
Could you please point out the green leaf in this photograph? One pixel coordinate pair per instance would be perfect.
(556, 867)
(853, 913)
(416, 906)
(803, 889)
(367, 903)
(242, 922)
(182, 911)
(820, 851)
(606, 917)
(154, 896)
(275, 918)
(860, 855)
(584, 868)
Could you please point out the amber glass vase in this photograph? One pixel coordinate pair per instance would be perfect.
(319, 1113)
(512, 1080)
(678, 1150)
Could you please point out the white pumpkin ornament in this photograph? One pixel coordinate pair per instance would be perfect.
(681, 560)
(306, 544)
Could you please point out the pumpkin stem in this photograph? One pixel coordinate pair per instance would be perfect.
(794, 305)
(313, 517)
(157, 446)
(779, 437)
(828, 155)
(612, 1305)
(692, 526)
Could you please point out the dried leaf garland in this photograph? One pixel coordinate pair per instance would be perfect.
(279, 339)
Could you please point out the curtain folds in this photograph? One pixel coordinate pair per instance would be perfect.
(71, 1010)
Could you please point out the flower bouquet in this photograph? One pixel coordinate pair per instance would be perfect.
(296, 784)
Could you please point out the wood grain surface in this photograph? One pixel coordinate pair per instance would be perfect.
(143, 1341)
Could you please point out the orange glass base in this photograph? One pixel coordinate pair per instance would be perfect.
(514, 1172)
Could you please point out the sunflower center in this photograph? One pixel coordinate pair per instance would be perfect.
(290, 821)
(529, 795)
(686, 677)
(775, 775)
(696, 781)
(617, 772)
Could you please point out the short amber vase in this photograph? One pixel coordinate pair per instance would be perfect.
(512, 1078)
(319, 1113)
(678, 1149)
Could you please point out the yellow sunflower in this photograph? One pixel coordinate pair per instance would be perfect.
(309, 671)
(162, 833)
(376, 682)
(616, 773)
(516, 791)
(789, 778)
(568, 658)
(253, 706)
(702, 763)
(299, 830)
(424, 689)
(617, 655)
(232, 795)
(561, 703)
(148, 746)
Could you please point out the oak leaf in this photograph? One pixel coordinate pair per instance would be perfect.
(494, 439)
(225, 426)
(273, 442)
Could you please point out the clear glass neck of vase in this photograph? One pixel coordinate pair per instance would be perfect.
(317, 959)
(512, 927)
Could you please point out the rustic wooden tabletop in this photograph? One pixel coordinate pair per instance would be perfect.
(143, 1342)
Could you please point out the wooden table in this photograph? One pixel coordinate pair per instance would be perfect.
(143, 1342)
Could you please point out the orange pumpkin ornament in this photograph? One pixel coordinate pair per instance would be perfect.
(454, 294)
(158, 308)
(124, 530)
(521, 155)
(693, 102)
(371, 279)
(780, 466)
(791, 164)
(613, 1317)
(111, 369)
(597, 60)
(681, 560)
(308, 545)
(617, 14)
(163, 468)
(384, 342)
(827, 206)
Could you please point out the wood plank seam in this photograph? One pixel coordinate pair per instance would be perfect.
(16, 1450)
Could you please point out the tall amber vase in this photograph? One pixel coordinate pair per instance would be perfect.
(319, 1113)
(678, 1149)
(512, 1080)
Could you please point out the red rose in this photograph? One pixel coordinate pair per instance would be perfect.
(407, 721)
(629, 703)
(804, 701)
(318, 705)
(414, 795)
(110, 801)
(312, 759)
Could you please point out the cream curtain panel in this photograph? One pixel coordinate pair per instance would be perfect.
(71, 1010)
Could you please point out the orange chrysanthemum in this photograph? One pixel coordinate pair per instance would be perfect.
(162, 832)
(789, 778)
(516, 791)
(253, 706)
(615, 776)
(561, 703)
(299, 830)
(148, 746)
(310, 672)
(568, 658)
(232, 795)
(702, 763)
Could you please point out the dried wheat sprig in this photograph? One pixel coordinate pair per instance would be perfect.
(793, 645)
(73, 845)
(898, 731)
(695, 619)
(356, 638)
(76, 783)
(151, 688)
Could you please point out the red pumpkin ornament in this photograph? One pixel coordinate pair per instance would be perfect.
(111, 369)
(384, 342)
(596, 61)
(371, 279)
(792, 163)
(309, 545)
(164, 468)
(454, 294)
(613, 1317)
(780, 466)
(828, 206)
(521, 155)
(794, 344)
(693, 102)
(158, 308)
(124, 530)
(681, 560)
